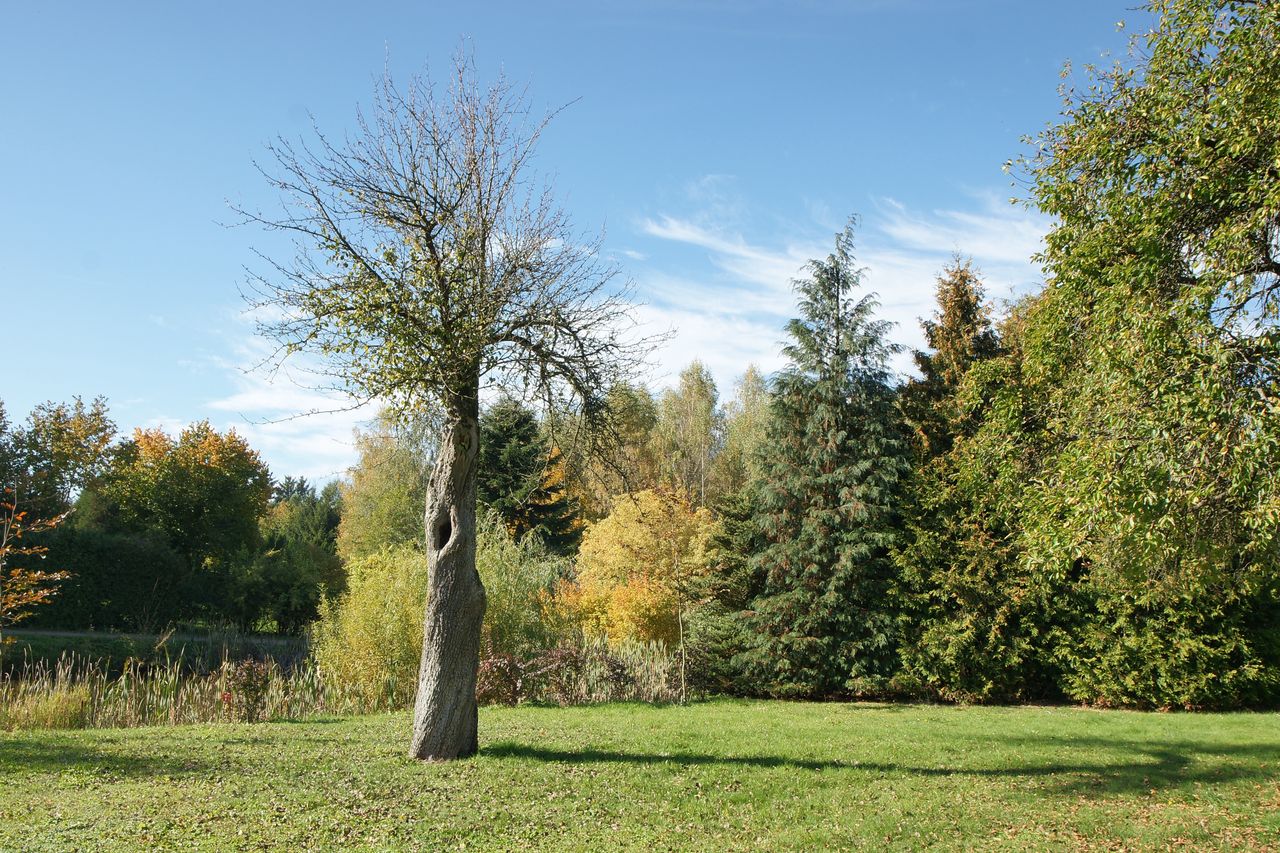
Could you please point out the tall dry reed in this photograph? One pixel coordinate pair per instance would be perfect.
(75, 693)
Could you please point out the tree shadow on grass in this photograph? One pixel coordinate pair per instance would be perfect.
(1128, 766)
(1121, 766)
(21, 756)
(108, 754)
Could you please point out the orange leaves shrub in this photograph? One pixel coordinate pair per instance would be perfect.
(22, 589)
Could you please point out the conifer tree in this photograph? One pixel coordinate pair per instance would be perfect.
(519, 476)
(716, 632)
(969, 613)
(832, 469)
(959, 335)
(976, 620)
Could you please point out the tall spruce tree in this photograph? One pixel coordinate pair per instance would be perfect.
(832, 468)
(959, 335)
(518, 476)
(716, 632)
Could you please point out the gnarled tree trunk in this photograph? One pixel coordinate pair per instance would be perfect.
(444, 716)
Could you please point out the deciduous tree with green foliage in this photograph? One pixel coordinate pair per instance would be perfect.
(833, 467)
(746, 427)
(204, 490)
(297, 561)
(1156, 345)
(67, 448)
(689, 432)
(1105, 526)
(63, 448)
(203, 493)
(429, 260)
(384, 492)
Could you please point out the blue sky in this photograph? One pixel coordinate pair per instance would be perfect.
(719, 144)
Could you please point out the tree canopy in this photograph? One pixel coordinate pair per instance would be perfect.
(429, 261)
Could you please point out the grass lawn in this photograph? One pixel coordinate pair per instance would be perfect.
(713, 776)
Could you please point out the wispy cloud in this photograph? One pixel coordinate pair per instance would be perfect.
(730, 310)
(772, 269)
(722, 340)
(168, 423)
(995, 232)
(299, 427)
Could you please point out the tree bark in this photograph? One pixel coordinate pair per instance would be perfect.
(444, 716)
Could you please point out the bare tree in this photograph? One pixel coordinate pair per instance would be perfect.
(430, 264)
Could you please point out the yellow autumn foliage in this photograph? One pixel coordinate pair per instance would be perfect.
(636, 566)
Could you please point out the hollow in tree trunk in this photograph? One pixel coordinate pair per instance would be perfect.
(444, 716)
